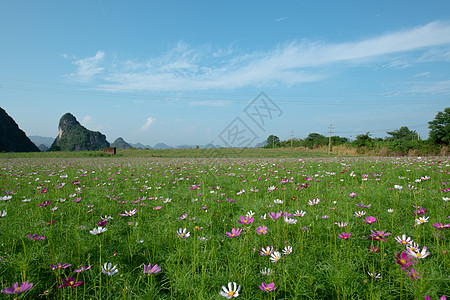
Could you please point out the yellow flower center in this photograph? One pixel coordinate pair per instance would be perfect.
(230, 293)
(72, 282)
(403, 261)
(418, 255)
(17, 288)
(267, 288)
(404, 242)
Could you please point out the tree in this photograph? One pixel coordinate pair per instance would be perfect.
(272, 141)
(403, 134)
(363, 140)
(440, 128)
(315, 139)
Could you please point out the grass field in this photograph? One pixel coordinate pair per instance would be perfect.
(280, 228)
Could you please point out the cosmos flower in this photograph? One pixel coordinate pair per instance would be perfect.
(345, 235)
(266, 271)
(98, 230)
(341, 224)
(261, 229)
(60, 266)
(246, 220)
(250, 214)
(440, 225)
(313, 202)
(290, 220)
(35, 237)
(82, 269)
(267, 287)
(70, 282)
(370, 220)
(266, 251)
(414, 247)
(421, 220)
(275, 215)
(359, 214)
(412, 273)
(182, 233)
(299, 213)
(275, 256)
(184, 216)
(109, 269)
(403, 240)
(129, 213)
(234, 232)
(374, 275)
(390, 210)
(278, 201)
(151, 270)
(16, 289)
(404, 260)
(231, 292)
(362, 205)
(287, 250)
(419, 254)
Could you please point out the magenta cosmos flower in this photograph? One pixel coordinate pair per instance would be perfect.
(267, 287)
(149, 269)
(370, 220)
(60, 266)
(261, 229)
(345, 235)
(35, 237)
(15, 289)
(246, 220)
(404, 260)
(275, 215)
(234, 232)
(82, 269)
(70, 282)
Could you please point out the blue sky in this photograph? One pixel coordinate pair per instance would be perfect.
(185, 72)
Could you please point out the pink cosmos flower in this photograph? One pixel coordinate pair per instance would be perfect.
(345, 235)
(149, 269)
(370, 220)
(15, 289)
(261, 229)
(70, 282)
(246, 220)
(234, 232)
(267, 287)
(275, 215)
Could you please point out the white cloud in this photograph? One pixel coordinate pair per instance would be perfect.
(86, 121)
(88, 67)
(184, 68)
(147, 124)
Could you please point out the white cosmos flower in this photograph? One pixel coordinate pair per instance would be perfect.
(419, 254)
(421, 220)
(266, 271)
(109, 269)
(99, 230)
(275, 256)
(287, 250)
(231, 292)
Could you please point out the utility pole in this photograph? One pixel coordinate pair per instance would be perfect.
(292, 137)
(329, 141)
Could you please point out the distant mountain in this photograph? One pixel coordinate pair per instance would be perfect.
(140, 146)
(74, 137)
(161, 146)
(12, 138)
(119, 143)
(41, 140)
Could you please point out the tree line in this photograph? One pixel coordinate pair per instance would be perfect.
(398, 142)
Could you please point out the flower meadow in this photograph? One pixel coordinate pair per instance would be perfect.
(144, 228)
